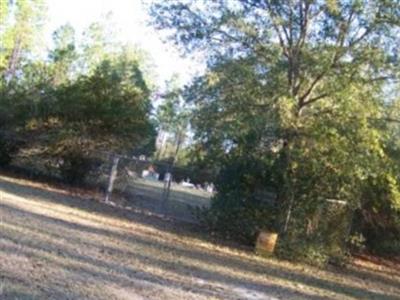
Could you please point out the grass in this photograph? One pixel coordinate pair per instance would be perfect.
(156, 190)
(62, 244)
(147, 194)
(150, 194)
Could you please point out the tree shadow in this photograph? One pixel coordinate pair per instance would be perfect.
(25, 290)
(121, 274)
(146, 217)
(209, 258)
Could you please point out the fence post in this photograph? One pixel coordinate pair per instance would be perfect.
(113, 175)
(289, 213)
(167, 187)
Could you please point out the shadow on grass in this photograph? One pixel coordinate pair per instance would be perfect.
(13, 287)
(121, 274)
(141, 193)
(90, 205)
(52, 227)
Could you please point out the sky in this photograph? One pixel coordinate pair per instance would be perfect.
(130, 17)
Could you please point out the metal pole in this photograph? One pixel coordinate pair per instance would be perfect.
(113, 175)
(289, 213)
(167, 186)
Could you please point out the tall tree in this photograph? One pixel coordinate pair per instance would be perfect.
(173, 118)
(298, 83)
(20, 32)
(99, 41)
(4, 16)
(64, 53)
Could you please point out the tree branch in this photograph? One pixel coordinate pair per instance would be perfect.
(344, 29)
(315, 99)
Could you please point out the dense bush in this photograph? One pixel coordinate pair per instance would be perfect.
(244, 204)
(105, 110)
(311, 96)
(380, 231)
(74, 166)
(318, 237)
(378, 217)
(237, 222)
(8, 148)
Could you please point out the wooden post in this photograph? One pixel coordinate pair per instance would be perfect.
(113, 175)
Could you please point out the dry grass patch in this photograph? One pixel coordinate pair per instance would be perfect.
(54, 245)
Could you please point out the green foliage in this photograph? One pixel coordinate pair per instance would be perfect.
(301, 86)
(7, 149)
(307, 250)
(75, 166)
(69, 112)
(107, 110)
(18, 39)
(357, 243)
(99, 43)
(245, 204)
(389, 246)
(378, 218)
(113, 100)
(173, 120)
(318, 234)
(64, 54)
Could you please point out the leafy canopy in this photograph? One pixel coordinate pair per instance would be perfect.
(299, 86)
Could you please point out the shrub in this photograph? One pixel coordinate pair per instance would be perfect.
(234, 222)
(317, 233)
(8, 148)
(315, 249)
(390, 247)
(243, 205)
(356, 243)
(378, 218)
(75, 166)
(305, 250)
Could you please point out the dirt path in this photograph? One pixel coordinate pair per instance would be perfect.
(55, 246)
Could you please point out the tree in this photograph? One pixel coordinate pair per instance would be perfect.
(173, 118)
(107, 110)
(99, 42)
(64, 53)
(298, 84)
(18, 38)
(64, 111)
(4, 15)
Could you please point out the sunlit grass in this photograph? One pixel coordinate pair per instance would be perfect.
(54, 245)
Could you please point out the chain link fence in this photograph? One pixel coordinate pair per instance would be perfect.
(131, 182)
(158, 187)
